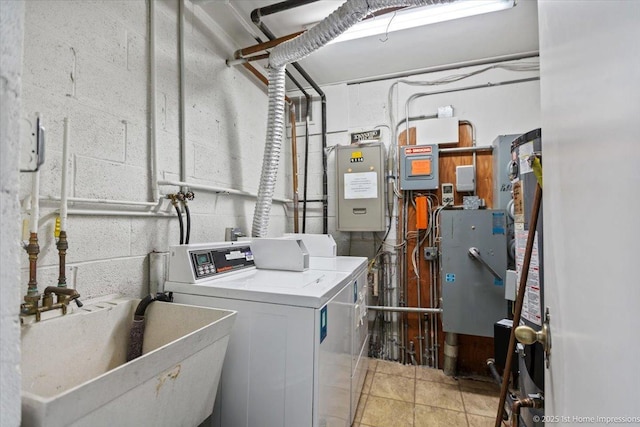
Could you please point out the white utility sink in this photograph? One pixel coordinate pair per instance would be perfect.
(74, 369)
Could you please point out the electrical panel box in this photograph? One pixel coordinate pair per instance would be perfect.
(465, 178)
(473, 253)
(501, 162)
(419, 167)
(360, 187)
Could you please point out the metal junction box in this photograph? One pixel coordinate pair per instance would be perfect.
(419, 167)
(472, 296)
(360, 187)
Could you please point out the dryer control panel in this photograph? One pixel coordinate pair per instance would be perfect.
(190, 263)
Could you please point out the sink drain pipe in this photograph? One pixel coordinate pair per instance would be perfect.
(293, 50)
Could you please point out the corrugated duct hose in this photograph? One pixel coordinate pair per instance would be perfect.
(293, 50)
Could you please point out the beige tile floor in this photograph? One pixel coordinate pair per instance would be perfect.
(396, 395)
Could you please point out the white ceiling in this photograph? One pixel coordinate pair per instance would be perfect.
(506, 33)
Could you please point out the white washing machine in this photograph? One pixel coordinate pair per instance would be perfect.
(290, 356)
(357, 269)
(322, 249)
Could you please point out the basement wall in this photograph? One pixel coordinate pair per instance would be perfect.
(88, 61)
(11, 32)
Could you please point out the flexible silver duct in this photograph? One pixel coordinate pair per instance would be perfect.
(293, 50)
(275, 132)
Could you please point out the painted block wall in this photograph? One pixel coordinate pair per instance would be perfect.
(494, 110)
(88, 61)
(11, 32)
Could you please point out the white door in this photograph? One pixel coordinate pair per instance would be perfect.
(590, 83)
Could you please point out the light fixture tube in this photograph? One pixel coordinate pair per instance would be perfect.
(419, 16)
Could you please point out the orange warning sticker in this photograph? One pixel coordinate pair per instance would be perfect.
(421, 167)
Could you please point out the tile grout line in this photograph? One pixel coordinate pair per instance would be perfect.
(366, 400)
(466, 415)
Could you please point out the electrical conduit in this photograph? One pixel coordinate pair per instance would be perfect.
(153, 121)
(328, 29)
(33, 249)
(62, 243)
(63, 189)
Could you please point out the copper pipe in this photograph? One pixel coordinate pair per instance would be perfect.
(519, 301)
(33, 249)
(529, 402)
(32, 298)
(256, 57)
(242, 53)
(62, 246)
(232, 62)
(257, 73)
(294, 165)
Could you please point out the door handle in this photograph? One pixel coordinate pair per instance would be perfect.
(528, 335)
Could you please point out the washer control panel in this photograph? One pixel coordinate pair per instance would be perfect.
(208, 263)
(190, 263)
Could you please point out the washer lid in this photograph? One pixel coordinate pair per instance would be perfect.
(346, 264)
(309, 288)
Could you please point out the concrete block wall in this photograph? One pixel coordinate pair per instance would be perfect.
(11, 34)
(364, 106)
(89, 61)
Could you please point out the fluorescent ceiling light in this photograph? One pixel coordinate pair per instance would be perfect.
(419, 16)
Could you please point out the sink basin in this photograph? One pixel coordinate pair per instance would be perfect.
(75, 373)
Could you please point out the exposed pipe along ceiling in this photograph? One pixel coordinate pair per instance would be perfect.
(401, 194)
(256, 17)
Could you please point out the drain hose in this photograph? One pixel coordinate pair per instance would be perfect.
(136, 334)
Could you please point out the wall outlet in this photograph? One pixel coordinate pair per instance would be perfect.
(430, 253)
